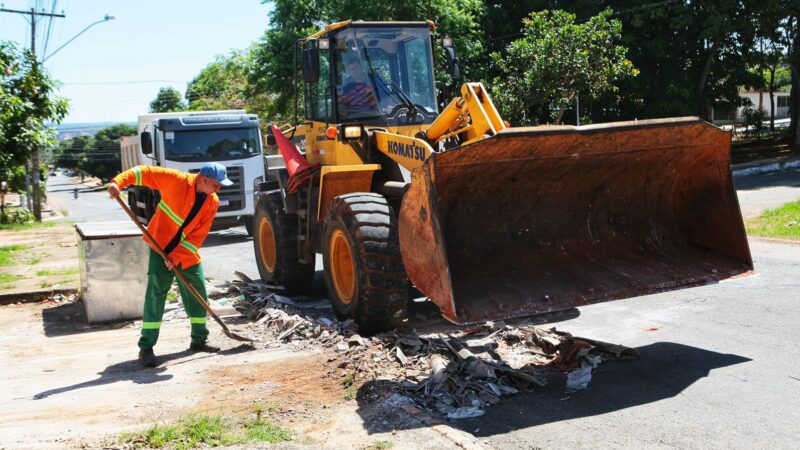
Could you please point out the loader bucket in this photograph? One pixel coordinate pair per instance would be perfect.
(534, 220)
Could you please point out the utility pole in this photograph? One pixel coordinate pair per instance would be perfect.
(35, 175)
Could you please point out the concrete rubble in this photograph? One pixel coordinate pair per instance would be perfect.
(454, 375)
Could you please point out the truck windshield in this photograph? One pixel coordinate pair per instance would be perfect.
(384, 71)
(211, 145)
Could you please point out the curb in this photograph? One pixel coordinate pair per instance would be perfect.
(765, 166)
(33, 296)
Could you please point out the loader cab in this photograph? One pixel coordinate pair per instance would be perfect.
(378, 74)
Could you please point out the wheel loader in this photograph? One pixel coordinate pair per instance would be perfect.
(488, 221)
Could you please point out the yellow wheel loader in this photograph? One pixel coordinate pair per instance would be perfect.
(488, 221)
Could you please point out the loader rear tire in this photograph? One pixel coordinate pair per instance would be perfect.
(275, 244)
(364, 272)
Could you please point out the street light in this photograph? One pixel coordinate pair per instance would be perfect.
(104, 19)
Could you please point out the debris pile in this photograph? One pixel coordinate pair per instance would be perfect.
(454, 374)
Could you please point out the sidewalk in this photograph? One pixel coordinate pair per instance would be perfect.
(765, 166)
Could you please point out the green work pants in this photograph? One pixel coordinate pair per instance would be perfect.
(159, 282)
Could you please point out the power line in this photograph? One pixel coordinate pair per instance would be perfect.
(49, 26)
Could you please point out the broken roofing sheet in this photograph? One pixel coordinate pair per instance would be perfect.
(454, 375)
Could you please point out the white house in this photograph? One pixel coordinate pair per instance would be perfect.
(759, 99)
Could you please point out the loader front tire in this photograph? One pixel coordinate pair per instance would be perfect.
(275, 244)
(364, 272)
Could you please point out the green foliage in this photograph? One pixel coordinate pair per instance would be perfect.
(71, 153)
(103, 159)
(9, 278)
(783, 78)
(15, 216)
(28, 226)
(97, 155)
(262, 430)
(555, 61)
(27, 104)
(168, 99)
(783, 222)
(9, 253)
(196, 430)
(380, 445)
(754, 117)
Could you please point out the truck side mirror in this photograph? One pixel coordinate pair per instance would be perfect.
(311, 63)
(452, 63)
(452, 58)
(271, 138)
(146, 140)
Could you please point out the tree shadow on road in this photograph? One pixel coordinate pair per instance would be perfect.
(132, 371)
(664, 371)
(787, 177)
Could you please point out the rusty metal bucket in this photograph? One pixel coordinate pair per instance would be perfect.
(541, 219)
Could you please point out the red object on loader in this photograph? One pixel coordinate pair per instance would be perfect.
(300, 172)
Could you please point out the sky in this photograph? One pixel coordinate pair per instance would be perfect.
(111, 72)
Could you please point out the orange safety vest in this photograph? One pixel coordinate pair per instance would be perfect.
(177, 197)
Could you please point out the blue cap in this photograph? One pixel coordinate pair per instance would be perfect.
(216, 171)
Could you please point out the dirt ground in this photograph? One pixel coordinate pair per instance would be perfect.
(47, 259)
(68, 384)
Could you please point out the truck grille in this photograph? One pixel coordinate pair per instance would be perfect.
(233, 193)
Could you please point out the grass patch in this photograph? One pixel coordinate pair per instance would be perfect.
(8, 278)
(46, 284)
(8, 253)
(783, 222)
(172, 297)
(380, 445)
(51, 273)
(348, 382)
(196, 430)
(29, 226)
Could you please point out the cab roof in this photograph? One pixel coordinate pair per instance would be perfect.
(339, 25)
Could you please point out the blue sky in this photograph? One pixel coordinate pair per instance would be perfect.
(170, 40)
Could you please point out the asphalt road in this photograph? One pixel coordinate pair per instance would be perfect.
(719, 364)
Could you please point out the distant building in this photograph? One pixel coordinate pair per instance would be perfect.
(759, 99)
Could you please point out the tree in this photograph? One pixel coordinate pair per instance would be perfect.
(103, 159)
(225, 84)
(71, 153)
(167, 100)
(220, 85)
(27, 104)
(556, 60)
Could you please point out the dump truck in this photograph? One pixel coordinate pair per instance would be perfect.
(487, 220)
(185, 141)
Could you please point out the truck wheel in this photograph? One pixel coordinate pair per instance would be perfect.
(275, 243)
(364, 272)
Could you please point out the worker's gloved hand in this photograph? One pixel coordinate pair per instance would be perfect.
(113, 190)
(168, 262)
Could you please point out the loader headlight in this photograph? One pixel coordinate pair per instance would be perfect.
(352, 132)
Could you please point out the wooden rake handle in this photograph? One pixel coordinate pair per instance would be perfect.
(180, 275)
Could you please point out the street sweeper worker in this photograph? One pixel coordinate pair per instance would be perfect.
(179, 226)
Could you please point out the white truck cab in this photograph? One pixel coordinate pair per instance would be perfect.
(187, 140)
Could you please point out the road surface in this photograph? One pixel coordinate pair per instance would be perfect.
(719, 363)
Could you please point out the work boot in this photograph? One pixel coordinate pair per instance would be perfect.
(204, 346)
(147, 358)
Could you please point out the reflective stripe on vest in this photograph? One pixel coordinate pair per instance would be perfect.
(192, 248)
(170, 213)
